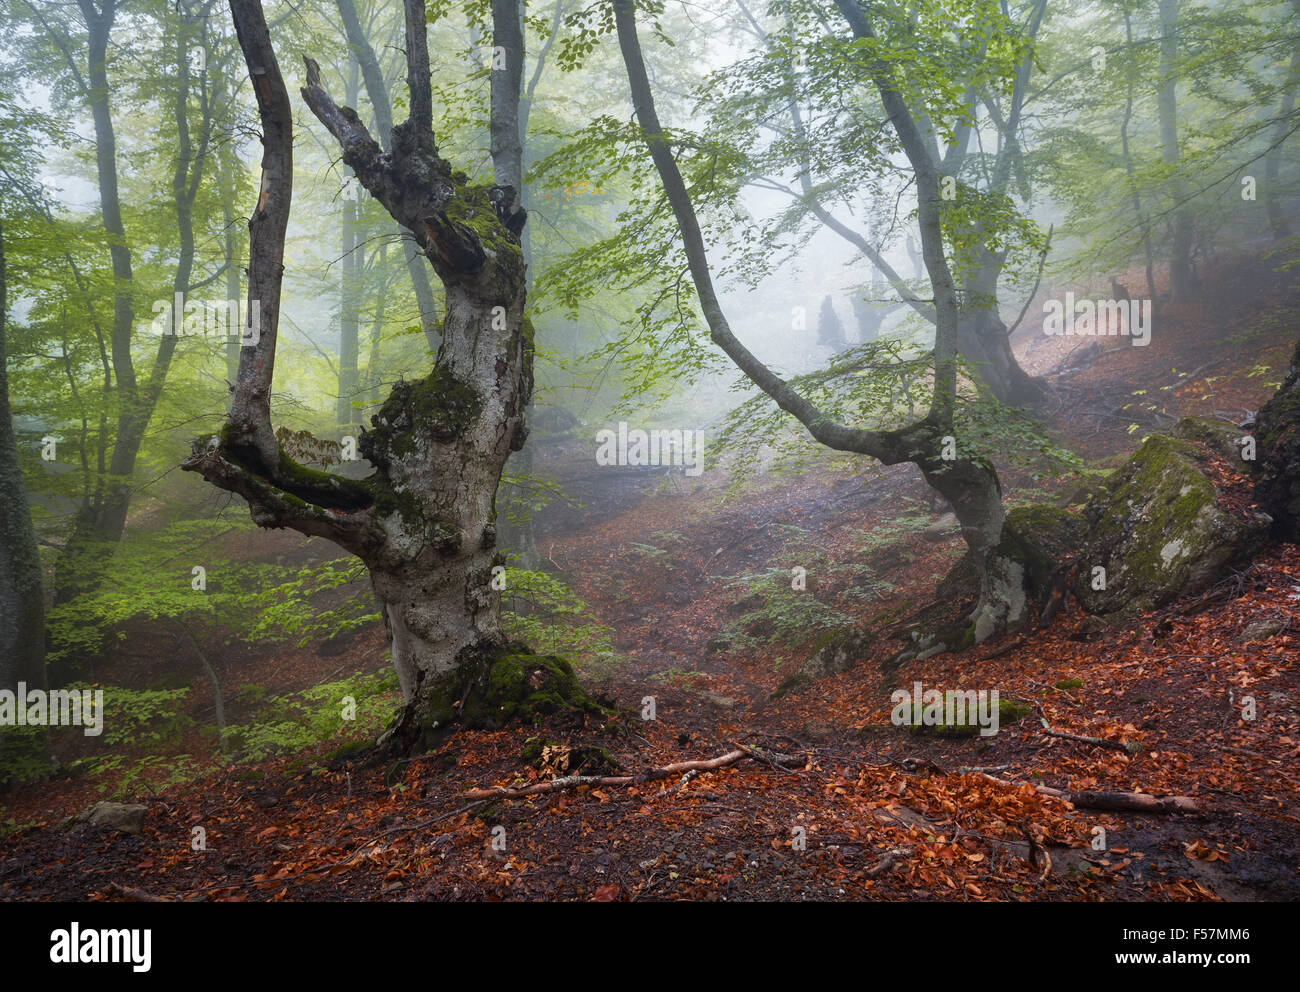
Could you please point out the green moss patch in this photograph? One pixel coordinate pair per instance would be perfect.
(1158, 531)
(1009, 711)
(488, 690)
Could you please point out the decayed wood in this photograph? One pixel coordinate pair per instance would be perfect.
(1118, 802)
(1129, 747)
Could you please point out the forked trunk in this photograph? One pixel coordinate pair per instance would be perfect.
(425, 522)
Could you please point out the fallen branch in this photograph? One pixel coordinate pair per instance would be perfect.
(1131, 747)
(612, 781)
(1117, 802)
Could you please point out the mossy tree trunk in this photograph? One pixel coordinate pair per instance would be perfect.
(424, 522)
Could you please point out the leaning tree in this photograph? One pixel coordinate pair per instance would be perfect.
(424, 522)
(965, 478)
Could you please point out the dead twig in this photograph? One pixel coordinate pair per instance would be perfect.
(615, 781)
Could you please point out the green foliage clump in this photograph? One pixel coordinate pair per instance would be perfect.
(780, 613)
(302, 720)
(24, 756)
(298, 607)
(541, 610)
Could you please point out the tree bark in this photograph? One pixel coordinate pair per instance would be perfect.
(1277, 220)
(22, 603)
(349, 292)
(1180, 251)
(424, 522)
(1138, 213)
(981, 334)
(102, 518)
(1277, 437)
(380, 102)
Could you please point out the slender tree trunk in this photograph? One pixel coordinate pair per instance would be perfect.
(1277, 220)
(1180, 252)
(103, 519)
(228, 165)
(981, 335)
(22, 603)
(508, 124)
(349, 318)
(380, 102)
(1138, 213)
(349, 290)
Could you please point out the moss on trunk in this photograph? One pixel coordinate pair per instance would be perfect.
(487, 690)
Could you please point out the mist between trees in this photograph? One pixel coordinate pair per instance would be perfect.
(325, 325)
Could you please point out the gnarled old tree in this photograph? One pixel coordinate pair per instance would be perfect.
(969, 482)
(424, 521)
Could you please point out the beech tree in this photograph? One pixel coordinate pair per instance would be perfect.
(22, 603)
(132, 393)
(424, 522)
(968, 481)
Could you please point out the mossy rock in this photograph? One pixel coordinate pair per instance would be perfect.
(1009, 711)
(1158, 532)
(1219, 436)
(486, 691)
(1069, 685)
(833, 653)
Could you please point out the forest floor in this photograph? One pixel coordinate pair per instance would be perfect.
(858, 808)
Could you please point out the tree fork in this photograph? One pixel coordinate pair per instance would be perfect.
(424, 523)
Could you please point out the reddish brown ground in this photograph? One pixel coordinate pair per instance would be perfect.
(886, 815)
